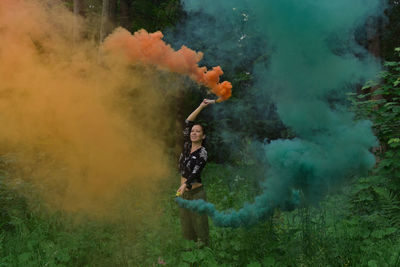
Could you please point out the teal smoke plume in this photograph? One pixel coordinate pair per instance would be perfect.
(313, 61)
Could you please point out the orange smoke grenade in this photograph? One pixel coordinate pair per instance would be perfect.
(151, 49)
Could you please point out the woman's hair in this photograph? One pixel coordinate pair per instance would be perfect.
(202, 127)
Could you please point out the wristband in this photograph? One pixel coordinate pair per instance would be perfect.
(188, 186)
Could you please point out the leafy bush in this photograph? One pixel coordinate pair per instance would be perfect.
(379, 194)
(380, 102)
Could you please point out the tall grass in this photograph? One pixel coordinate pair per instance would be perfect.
(329, 234)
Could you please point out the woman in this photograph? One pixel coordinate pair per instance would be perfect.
(191, 162)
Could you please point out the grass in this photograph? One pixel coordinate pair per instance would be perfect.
(325, 235)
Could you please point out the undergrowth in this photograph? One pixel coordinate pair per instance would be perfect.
(344, 230)
(355, 226)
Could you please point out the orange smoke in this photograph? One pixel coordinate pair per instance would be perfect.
(82, 131)
(151, 49)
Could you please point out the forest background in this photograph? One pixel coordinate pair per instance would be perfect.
(354, 225)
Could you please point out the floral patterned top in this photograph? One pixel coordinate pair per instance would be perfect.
(191, 164)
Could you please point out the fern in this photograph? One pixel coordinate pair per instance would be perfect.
(391, 207)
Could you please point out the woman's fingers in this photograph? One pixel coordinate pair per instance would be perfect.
(208, 101)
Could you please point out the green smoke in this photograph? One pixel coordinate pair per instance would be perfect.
(313, 61)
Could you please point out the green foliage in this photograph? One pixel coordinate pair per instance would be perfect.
(332, 234)
(376, 198)
(380, 102)
(12, 205)
(358, 226)
(390, 31)
(154, 15)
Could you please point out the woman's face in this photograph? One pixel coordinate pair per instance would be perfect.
(197, 135)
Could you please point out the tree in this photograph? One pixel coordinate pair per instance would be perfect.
(108, 18)
(125, 19)
(79, 7)
(373, 31)
(391, 30)
(78, 11)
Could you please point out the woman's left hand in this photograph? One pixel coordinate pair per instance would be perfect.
(182, 189)
(207, 102)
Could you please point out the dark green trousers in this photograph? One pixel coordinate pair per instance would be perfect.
(194, 225)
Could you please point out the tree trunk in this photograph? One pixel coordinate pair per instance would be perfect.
(125, 19)
(112, 13)
(78, 11)
(79, 7)
(373, 36)
(108, 17)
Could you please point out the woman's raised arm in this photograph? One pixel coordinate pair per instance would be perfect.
(196, 112)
